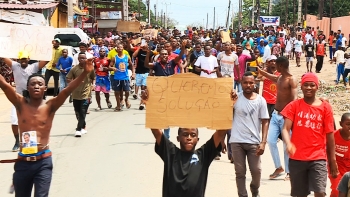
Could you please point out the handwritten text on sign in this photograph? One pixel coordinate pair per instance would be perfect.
(37, 40)
(189, 101)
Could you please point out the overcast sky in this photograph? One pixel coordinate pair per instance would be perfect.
(187, 12)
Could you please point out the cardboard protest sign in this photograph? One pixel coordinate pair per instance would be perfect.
(36, 40)
(189, 101)
(136, 41)
(128, 26)
(225, 36)
(152, 33)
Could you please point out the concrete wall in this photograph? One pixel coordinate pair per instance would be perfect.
(339, 23)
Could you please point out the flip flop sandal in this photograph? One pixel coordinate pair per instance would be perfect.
(98, 109)
(128, 105)
(117, 109)
(122, 104)
(287, 178)
(275, 175)
(109, 104)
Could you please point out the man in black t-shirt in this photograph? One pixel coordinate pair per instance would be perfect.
(309, 54)
(186, 169)
(141, 71)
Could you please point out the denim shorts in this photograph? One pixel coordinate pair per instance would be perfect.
(141, 79)
(121, 85)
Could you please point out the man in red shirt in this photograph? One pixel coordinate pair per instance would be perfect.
(342, 152)
(103, 83)
(312, 141)
(320, 53)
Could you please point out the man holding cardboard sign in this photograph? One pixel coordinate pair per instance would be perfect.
(189, 178)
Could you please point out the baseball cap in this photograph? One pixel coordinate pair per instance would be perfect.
(23, 54)
(57, 40)
(272, 57)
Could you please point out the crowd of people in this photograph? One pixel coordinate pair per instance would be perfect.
(254, 56)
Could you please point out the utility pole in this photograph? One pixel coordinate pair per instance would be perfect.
(161, 18)
(155, 13)
(253, 15)
(233, 14)
(148, 12)
(293, 12)
(270, 7)
(228, 13)
(139, 4)
(287, 12)
(300, 4)
(240, 14)
(165, 23)
(70, 14)
(258, 11)
(207, 20)
(320, 9)
(305, 12)
(330, 14)
(166, 13)
(125, 10)
(214, 20)
(93, 10)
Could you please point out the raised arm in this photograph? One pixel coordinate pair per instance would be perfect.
(183, 48)
(147, 64)
(57, 101)
(272, 77)
(10, 92)
(42, 64)
(134, 55)
(157, 133)
(8, 62)
(219, 137)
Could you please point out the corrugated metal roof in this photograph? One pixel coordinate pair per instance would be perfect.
(29, 7)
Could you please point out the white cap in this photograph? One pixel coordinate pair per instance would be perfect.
(272, 57)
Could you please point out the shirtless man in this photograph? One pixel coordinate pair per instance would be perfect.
(35, 116)
(286, 92)
(21, 71)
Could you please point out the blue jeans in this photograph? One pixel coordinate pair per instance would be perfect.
(340, 71)
(275, 129)
(331, 52)
(63, 82)
(238, 86)
(37, 173)
(167, 133)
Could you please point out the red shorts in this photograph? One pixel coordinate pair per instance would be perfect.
(101, 89)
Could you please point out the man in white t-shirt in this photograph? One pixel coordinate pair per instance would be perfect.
(21, 72)
(347, 68)
(339, 58)
(309, 36)
(83, 48)
(228, 61)
(298, 48)
(343, 41)
(207, 64)
(251, 118)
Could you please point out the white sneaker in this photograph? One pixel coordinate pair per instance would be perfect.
(83, 131)
(78, 134)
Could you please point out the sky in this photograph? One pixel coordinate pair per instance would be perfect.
(187, 12)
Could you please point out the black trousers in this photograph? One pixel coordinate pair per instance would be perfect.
(37, 173)
(80, 108)
(56, 77)
(319, 63)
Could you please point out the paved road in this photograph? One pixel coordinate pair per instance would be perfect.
(116, 158)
